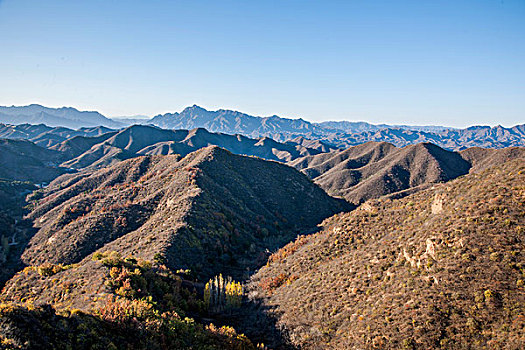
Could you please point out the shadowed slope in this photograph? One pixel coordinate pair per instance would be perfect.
(148, 140)
(372, 170)
(375, 169)
(24, 161)
(209, 212)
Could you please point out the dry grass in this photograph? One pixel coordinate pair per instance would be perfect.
(438, 269)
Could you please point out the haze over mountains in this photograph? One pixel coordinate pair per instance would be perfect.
(357, 173)
(335, 134)
(66, 116)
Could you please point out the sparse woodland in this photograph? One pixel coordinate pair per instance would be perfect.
(443, 268)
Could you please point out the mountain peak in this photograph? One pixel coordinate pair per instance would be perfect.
(194, 108)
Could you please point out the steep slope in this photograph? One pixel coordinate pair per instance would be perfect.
(442, 268)
(143, 306)
(137, 328)
(13, 233)
(66, 116)
(375, 169)
(146, 191)
(76, 145)
(483, 158)
(211, 212)
(24, 161)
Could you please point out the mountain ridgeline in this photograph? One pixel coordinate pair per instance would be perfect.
(334, 134)
(372, 170)
(58, 117)
(357, 173)
(442, 268)
(301, 235)
(209, 212)
(341, 134)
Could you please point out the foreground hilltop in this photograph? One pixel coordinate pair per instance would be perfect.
(443, 268)
(210, 212)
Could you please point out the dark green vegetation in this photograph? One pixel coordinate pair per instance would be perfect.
(14, 232)
(443, 268)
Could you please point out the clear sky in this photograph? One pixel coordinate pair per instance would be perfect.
(454, 62)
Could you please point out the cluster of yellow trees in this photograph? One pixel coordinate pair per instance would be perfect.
(222, 294)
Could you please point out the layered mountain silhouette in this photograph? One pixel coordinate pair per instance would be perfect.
(358, 173)
(335, 134)
(440, 268)
(47, 136)
(341, 134)
(66, 117)
(24, 161)
(357, 127)
(375, 169)
(82, 152)
(451, 139)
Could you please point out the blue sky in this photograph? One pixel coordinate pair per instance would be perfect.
(451, 63)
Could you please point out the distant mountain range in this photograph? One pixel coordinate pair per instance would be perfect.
(356, 127)
(66, 116)
(357, 173)
(335, 134)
